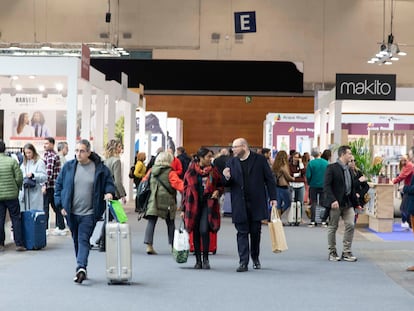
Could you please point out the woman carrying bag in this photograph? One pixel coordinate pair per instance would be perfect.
(201, 209)
(164, 183)
(34, 175)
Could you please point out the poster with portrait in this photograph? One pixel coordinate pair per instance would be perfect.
(283, 142)
(303, 144)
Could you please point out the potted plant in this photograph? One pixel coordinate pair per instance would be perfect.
(369, 166)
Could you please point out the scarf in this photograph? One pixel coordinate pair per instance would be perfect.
(347, 176)
(205, 172)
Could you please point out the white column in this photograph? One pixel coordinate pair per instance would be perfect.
(86, 111)
(72, 107)
(100, 121)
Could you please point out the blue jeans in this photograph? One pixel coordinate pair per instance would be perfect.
(14, 211)
(82, 227)
(283, 198)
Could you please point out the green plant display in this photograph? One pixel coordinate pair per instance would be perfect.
(364, 159)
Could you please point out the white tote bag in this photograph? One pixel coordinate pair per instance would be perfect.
(181, 244)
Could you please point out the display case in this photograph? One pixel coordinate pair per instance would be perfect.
(380, 208)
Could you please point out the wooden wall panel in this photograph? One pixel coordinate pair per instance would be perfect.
(217, 120)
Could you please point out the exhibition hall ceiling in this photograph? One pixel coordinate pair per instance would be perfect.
(32, 84)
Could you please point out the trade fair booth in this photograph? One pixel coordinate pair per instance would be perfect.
(72, 105)
(389, 136)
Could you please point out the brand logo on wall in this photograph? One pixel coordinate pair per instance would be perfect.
(365, 86)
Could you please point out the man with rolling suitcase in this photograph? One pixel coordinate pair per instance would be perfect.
(81, 189)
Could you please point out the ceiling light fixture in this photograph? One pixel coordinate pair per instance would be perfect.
(390, 49)
(61, 49)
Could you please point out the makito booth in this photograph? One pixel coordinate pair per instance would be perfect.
(369, 94)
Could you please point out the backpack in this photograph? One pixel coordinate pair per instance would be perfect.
(131, 172)
(143, 194)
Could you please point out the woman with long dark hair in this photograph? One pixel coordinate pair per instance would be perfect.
(281, 171)
(201, 208)
(32, 167)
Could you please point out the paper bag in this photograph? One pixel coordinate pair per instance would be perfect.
(277, 233)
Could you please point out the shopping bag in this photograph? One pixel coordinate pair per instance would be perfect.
(117, 210)
(277, 233)
(181, 244)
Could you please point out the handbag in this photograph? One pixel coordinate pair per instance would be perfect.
(29, 182)
(277, 233)
(117, 210)
(181, 244)
(143, 194)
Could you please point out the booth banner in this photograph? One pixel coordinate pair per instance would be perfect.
(174, 133)
(286, 131)
(156, 128)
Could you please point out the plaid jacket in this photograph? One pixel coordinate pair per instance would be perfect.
(52, 163)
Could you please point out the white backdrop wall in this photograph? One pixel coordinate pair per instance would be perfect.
(329, 37)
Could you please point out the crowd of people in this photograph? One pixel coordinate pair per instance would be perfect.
(197, 187)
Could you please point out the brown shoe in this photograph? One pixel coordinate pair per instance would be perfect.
(20, 248)
(151, 250)
(411, 269)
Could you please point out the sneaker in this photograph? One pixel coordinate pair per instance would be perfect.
(58, 231)
(324, 225)
(348, 257)
(312, 224)
(333, 256)
(80, 275)
(20, 248)
(405, 225)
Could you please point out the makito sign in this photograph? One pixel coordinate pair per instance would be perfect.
(365, 86)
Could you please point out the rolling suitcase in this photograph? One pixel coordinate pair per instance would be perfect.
(319, 211)
(96, 234)
(212, 246)
(227, 204)
(118, 252)
(294, 216)
(33, 226)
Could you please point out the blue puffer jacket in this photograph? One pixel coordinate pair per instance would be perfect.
(103, 183)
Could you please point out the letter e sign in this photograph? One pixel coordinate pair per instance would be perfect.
(245, 22)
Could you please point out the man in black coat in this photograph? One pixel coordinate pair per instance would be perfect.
(340, 197)
(248, 175)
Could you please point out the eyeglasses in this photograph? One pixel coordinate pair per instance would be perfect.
(238, 146)
(352, 161)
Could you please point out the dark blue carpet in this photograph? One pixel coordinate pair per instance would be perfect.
(397, 234)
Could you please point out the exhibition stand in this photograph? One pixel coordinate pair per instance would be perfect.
(76, 107)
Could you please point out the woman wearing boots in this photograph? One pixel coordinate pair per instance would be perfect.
(201, 208)
(164, 183)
